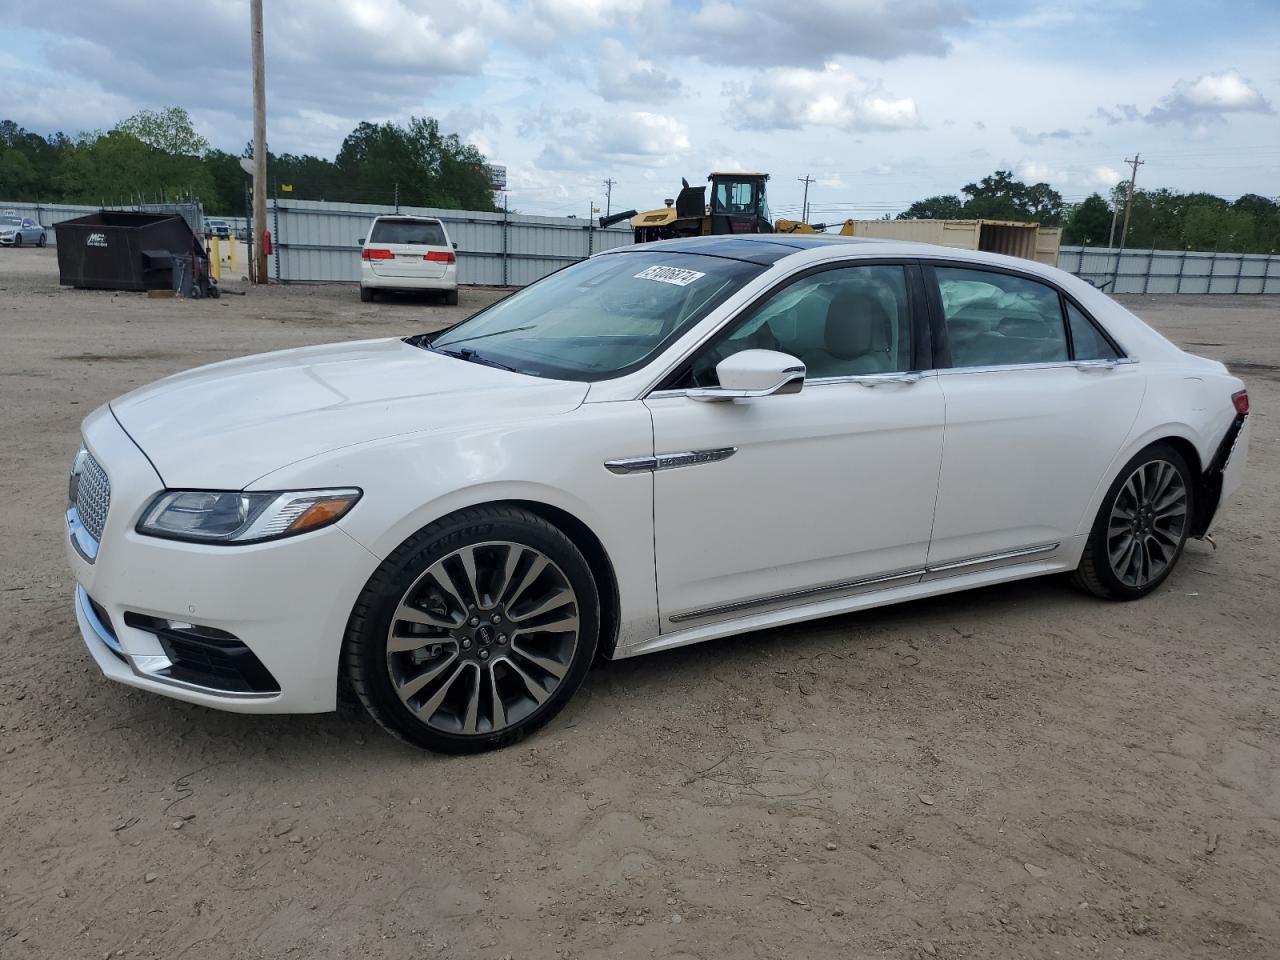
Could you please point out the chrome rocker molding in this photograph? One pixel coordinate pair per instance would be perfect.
(831, 588)
(151, 667)
(669, 461)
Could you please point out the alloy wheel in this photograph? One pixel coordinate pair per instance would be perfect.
(482, 638)
(1148, 523)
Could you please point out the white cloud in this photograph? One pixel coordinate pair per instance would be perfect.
(1197, 104)
(801, 33)
(1029, 139)
(1105, 177)
(789, 98)
(642, 136)
(620, 75)
(1036, 171)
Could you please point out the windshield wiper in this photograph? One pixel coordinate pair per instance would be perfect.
(472, 356)
(494, 333)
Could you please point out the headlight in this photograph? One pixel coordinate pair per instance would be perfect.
(213, 516)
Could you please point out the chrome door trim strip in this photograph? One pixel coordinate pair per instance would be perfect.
(810, 592)
(669, 461)
(796, 595)
(1018, 554)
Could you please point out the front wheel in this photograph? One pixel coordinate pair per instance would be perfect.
(474, 632)
(1141, 527)
(17, 239)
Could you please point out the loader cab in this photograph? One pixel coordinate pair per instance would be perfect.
(739, 203)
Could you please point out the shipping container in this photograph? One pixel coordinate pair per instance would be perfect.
(1011, 237)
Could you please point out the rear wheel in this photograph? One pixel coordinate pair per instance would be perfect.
(451, 298)
(475, 632)
(1141, 528)
(366, 295)
(41, 241)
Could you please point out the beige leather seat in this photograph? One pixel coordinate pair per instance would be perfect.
(858, 339)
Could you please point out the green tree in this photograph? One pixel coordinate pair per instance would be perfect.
(1088, 222)
(169, 131)
(941, 207)
(1000, 196)
(426, 167)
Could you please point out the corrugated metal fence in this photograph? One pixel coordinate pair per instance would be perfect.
(319, 240)
(52, 214)
(1172, 271)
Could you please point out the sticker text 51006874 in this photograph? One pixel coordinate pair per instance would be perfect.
(676, 275)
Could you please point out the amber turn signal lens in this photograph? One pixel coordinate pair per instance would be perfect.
(321, 513)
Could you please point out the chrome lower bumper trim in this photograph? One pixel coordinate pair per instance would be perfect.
(153, 666)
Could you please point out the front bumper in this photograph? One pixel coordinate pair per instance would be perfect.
(286, 601)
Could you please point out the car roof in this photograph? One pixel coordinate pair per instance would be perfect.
(762, 248)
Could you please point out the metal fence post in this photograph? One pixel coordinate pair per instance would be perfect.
(1239, 271)
(1266, 274)
(506, 229)
(275, 230)
(1182, 266)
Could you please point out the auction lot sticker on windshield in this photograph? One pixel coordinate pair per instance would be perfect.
(677, 275)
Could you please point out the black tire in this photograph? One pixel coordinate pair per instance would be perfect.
(369, 667)
(366, 295)
(451, 298)
(1097, 573)
(17, 239)
(41, 241)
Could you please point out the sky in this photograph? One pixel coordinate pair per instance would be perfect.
(880, 102)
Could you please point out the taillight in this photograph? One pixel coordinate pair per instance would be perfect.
(375, 253)
(1240, 400)
(440, 256)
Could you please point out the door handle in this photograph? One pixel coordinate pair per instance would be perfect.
(876, 380)
(1094, 366)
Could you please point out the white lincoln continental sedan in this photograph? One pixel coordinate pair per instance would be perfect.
(663, 444)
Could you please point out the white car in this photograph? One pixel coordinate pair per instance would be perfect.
(660, 445)
(408, 254)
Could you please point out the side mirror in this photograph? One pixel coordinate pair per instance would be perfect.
(753, 373)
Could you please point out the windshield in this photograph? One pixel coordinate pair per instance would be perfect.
(10, 222)
(599, 318)
(408, 231)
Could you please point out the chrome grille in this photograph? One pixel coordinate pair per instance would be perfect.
(93, 496)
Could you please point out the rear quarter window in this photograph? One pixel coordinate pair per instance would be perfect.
(408, 231)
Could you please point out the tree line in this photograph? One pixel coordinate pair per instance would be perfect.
(157, 155)
(1159, 219)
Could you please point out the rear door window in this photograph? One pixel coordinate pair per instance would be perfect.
(996, 319)
(408, 231)
(1088, 341)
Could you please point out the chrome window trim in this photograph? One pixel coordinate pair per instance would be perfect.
(1018, 554)
(1050, 365)
(862, 379)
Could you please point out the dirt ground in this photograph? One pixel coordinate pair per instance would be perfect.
(1016, 772)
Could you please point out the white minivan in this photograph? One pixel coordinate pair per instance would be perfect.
(409, 254)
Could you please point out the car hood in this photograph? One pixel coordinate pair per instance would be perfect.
(225, 425)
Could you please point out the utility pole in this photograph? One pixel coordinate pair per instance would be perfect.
(259, 143)
(1111, 237)
(804, 206)
(1135, 163)
(608, 196)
